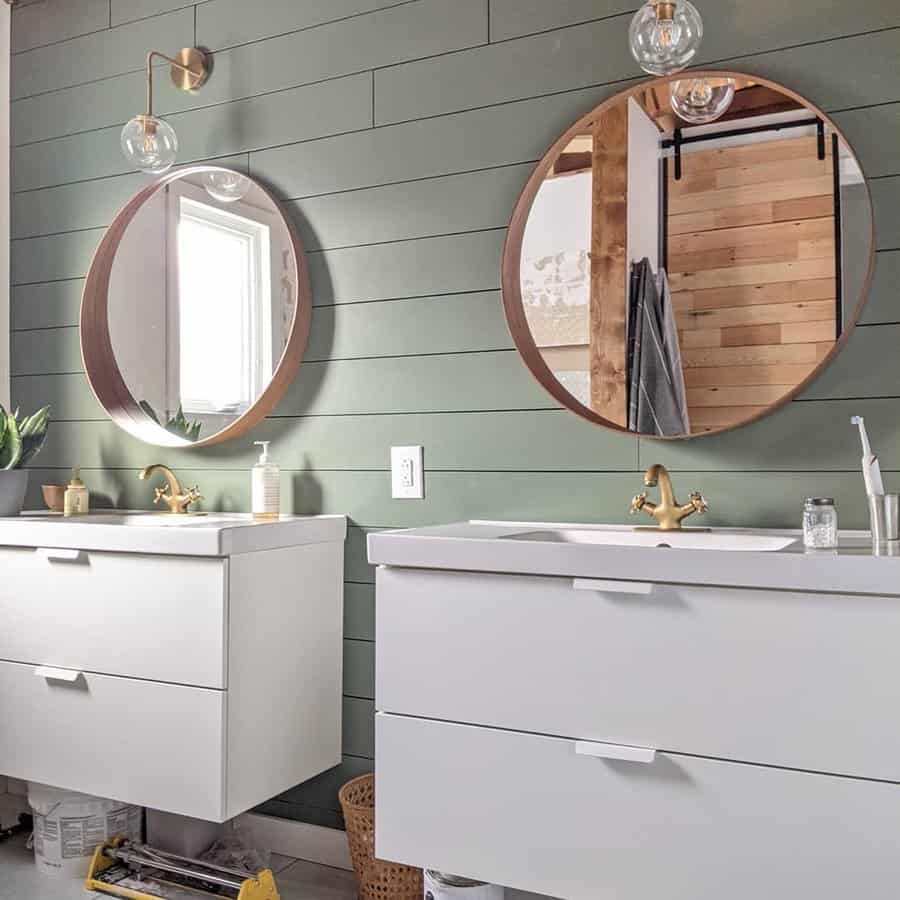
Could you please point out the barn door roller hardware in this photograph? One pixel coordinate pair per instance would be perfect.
(678, 140)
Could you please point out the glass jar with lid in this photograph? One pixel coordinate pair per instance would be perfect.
(820, 524)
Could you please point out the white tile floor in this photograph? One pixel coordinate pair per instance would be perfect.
(297, 880)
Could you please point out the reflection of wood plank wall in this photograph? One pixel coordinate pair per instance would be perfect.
(609, 266)
(752, 270)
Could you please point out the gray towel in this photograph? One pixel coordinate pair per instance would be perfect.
(656, 397)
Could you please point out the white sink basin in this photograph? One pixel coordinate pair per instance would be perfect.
(149, 519)
(620, 553)
(683, 540)
(148, 531)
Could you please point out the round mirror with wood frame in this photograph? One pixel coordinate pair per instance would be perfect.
(689, 255)
(196, 309)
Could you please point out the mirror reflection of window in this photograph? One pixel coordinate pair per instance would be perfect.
(221, 348)
(223, 277)
(556, 275)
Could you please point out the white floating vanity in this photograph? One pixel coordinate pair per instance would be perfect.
(581, 712)
(190, 664)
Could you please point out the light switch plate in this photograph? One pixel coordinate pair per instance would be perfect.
(407, 473)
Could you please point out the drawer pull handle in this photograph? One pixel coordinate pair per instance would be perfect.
(613, 587)
(615, 751)
(53, 674)
(59, 554)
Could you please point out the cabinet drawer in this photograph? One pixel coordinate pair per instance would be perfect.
(158, 745)
(798, 680)
(532, 812)
(155, 617)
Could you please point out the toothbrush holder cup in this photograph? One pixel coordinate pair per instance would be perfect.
(892, 517)
(884, 517)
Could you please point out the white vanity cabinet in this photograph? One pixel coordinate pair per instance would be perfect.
(587, 737)
(200, 679)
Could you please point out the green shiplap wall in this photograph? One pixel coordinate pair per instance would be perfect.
(399, 132)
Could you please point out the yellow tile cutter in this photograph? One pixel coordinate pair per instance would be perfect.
(139, 872)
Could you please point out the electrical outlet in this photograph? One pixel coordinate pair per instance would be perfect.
(407, 473)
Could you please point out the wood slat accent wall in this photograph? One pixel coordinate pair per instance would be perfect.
(751, 262)
(400, 134)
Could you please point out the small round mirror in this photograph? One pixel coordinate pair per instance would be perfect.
(689, 255)
(196, 309)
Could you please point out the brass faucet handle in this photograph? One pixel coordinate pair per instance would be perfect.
(698, 501)
(194, 494)
(638, 501)
(160, 493)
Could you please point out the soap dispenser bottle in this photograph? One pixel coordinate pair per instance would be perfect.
(265, 486)
(76, 499)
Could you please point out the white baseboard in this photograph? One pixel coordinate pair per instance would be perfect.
(326, 846)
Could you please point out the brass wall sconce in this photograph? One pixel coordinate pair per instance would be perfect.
(148, 143)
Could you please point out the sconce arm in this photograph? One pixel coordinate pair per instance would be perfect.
(197, 78)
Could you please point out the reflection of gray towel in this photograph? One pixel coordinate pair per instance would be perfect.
(656, 394)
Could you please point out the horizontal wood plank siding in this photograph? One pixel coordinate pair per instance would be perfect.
(398, 133)
(751, 262)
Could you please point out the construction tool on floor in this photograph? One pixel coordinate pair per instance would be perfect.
(139, 872)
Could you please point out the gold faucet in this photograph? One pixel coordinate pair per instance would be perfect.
(668, 513)
(172, 494)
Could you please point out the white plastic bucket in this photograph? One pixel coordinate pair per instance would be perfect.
(440, 886)
(68, 827)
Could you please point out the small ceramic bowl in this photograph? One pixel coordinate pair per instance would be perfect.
(54, 496)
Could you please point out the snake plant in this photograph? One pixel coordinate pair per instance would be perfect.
(178, 424)
(21, 439)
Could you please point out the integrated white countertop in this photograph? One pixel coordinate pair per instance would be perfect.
(517, 548)
(215, 534)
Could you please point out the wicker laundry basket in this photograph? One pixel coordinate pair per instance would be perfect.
(377, 878)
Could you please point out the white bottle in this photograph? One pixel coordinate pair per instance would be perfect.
(266, 486)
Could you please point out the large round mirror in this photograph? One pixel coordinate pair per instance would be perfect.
(689, 255)
(196, 309)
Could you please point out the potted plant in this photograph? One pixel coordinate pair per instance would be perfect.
(20, 440)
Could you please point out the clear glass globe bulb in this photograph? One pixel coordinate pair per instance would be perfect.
(664, 35)
(226, 186)
(149, 144)
(701, 100)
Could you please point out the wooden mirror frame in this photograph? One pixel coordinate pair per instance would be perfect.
(103, 373)
(512, 254)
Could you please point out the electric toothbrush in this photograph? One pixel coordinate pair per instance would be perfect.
(870, 468)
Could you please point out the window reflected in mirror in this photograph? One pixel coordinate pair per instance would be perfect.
(672, 279)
